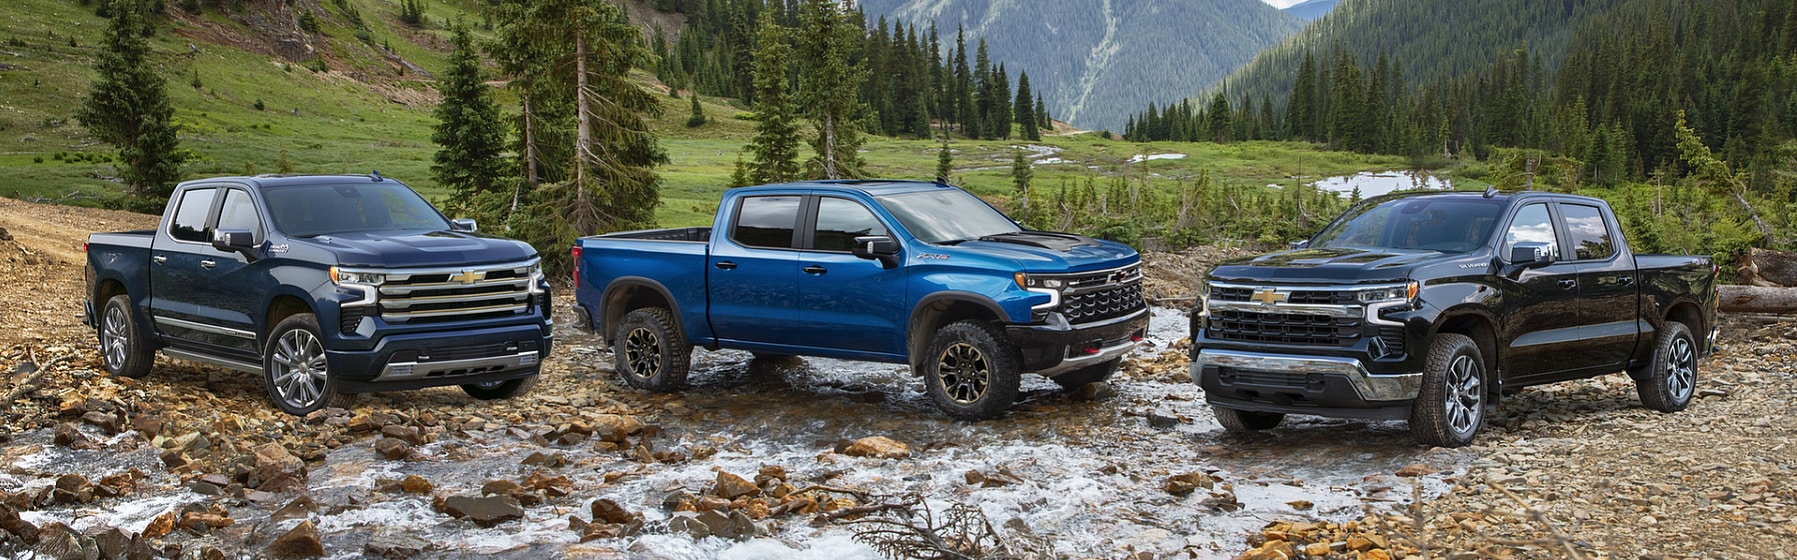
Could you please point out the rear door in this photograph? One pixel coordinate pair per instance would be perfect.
(1609, 295)
(179, 289)
(753, 272)
(847, 302)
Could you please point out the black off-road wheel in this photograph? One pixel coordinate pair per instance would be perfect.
(294, 365)
(1087, 375)
(1244, 421)
(1671, 379)
(122, 347)
(1450, 408)
(651, 351)
(970, 371)
(495, 390)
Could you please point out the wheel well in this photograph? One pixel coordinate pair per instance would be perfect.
(1688, 314)
(937, 314)
(1479, 329)
(282, 308)
(106, 290)
(622, 300)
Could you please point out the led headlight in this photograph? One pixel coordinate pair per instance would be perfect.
(1204, 299)
(1027, 281)
(1401, 292)
(344, 276)
(538, 282)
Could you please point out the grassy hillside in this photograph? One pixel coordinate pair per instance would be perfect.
(371, 111)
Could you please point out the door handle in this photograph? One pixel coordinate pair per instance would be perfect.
(1625, 280)
(159, 259)
(815, 269)
(1568, 283)
(725, 265)
(208, 263)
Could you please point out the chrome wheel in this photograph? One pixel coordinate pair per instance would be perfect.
(1681, 369)
(1465, 395)
(642, 350)
(299, 369)
(115, 332)
(964, 373)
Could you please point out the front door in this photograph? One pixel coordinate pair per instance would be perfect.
(1539, 329)
(847, 302)
(234, 287)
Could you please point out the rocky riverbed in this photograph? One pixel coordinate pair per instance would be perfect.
(809, 458)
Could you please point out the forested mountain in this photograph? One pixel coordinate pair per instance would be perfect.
(1097, 60)
(1311, 10)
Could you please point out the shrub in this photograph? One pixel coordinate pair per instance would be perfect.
(38, 159)
(259, 106)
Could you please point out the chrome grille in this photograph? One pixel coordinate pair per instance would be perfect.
(1305, 297)
(455, 294)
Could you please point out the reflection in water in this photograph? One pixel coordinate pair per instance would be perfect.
(1374, 184)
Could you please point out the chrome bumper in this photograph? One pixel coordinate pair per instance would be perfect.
(404, 371)
(1104, 354)
(1370, 386)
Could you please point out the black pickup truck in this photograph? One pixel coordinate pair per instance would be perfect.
(1425, 306)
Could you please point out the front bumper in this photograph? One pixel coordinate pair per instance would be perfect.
(413, 361)
(1320, 385)
(1054, 347)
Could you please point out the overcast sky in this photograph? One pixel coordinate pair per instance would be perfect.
(1282, 4)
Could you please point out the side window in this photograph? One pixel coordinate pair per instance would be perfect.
(190, 216)
(840, 221)
(1532, 224)
(239, 212)
(766, 221)
(1589, 234)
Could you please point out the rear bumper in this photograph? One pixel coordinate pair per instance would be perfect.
(1055, 347)
(414, 361)
(1320, 385)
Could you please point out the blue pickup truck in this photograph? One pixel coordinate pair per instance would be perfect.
(886, 271)
(326, 286)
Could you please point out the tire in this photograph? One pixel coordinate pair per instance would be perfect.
(652, 354)
(1087, 375)
(294, 366)
(1671, 378)
(496, 390)
(970, 371)
(122, 347)
(1450, 408)
(1244, 421)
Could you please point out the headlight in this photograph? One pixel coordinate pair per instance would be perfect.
(342, 276)
(1204, 299)
(1026, 282)
(1402, 292)
(538, 282)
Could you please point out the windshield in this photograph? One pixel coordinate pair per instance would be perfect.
(1431, 223)
(311, 210)
(947, 216)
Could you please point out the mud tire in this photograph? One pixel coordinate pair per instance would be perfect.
(970, 371)
(651, 351)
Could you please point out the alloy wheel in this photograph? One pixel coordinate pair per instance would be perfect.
(1465, 396)
(642, 350)
(299, 369)
(964, 373)
(1681, 375)
(114, 334)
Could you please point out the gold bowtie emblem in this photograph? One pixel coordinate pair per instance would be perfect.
(1267, 297)
(468, 276)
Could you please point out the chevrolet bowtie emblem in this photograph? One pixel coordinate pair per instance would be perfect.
(1267, 297)
(468, 276)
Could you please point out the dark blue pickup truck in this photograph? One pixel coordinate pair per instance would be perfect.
(886, 271)
(325, 285)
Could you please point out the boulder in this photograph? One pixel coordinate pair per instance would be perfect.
(607, 511)
(18, 527)
(277, 470)
(730, 487)
(67, 435)
(485, 511)
(299, 542)
(878, 446)
(73, 489)
(59, 542)
(393, 449)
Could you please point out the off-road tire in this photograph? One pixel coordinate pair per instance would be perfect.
(122, 348)
(500, 389)
(970, 371)
(651, 351)
(295, 369)
(1087, 375)
(1245, 421)
(1671, 378)
(1450, 408)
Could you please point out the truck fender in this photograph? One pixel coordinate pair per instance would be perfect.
(604, 316)
(934, 310)
(140, 303)
(1478, 324)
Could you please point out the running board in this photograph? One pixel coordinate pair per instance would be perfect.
(212, 360)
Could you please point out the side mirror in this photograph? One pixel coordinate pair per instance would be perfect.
(1301, 244)
(463, 224)
(1530, 254)
(236, 241)
(877, 247)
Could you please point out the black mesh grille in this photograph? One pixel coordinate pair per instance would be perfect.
(1098, 305)
(350, 318)
(1284, 328)
(1394, 339)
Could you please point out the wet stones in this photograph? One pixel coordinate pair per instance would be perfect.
(991, 479)
(712, 523)
(396, 545)
(731, 487)
(108, 422)
(113, 542)
(59, 542)
(67, 435)
(409, 434)
(1415, 470)
(73, 489)
(299, 542)
(277, 470)
(159, 526)
(486, 511)
(414, 484)
(300, 508)
(394, 449)
(18, 527)
(1185, 484)
(879, 447)
(610, 521)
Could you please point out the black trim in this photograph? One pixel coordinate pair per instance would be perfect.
(605, 329)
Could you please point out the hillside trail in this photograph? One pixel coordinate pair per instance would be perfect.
(41, 256)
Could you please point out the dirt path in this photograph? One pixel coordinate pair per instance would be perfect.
(41, 257)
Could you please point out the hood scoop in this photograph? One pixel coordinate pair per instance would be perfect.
(1053, 241)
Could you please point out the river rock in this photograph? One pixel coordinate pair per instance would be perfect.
(407, 434)
(485, 511)
(299, 542)
(199, 522)
(414, 484)
(770, 473)
(396, 545)
(12, 523)
(1272, 550)
(106, 421)
(730, 486)
(1415, 470)
(162, 524)
(1183, 484)
(615, 427)
(73, 489)
(114, 542)
(605, 510)
(555, 486)
(393, 449)
(363, 423)
(1095, 391)
(878, 446)
(118, 484)
(300, 508)
(67, 435)
(59, 542)
(545, 460)
(277, 470)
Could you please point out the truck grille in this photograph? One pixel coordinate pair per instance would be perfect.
(1284, 328)
(1304, 297)
(455, 295)
(1107, 303)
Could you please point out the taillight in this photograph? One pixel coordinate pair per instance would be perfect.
(84, 246)
(576, 253)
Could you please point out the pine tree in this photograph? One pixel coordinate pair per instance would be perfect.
(1218, 118)
(128, 107)
(1042, 113)
(698, 117)
(1300, 111)
(830, 86)
(1026, 110)
(1021, 175)
(469, 134)
(945, 161)
(775, 146)
(964, 113)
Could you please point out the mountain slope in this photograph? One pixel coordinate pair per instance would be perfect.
(1426, 39)
(1311, 10)
(1096, 61)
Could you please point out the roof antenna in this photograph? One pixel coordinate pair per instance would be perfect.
(376, 175)
(1490, 191)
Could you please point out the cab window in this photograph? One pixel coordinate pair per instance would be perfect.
(1589, 234)
(239, 212)
(766, 221)
(189, 223)
(1532, 224)
(840, 221)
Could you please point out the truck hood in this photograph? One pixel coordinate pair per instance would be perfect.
(417, 249)
(1040, 251)
(1344, 265)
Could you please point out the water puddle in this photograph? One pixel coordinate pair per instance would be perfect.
(1373, 184)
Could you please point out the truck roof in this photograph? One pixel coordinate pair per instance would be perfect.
(1493, 194)
(872, 187)
(262, 181)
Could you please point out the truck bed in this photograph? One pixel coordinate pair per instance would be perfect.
(688, 234)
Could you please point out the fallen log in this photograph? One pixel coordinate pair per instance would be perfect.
(1766, 267)
(1756, 299)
